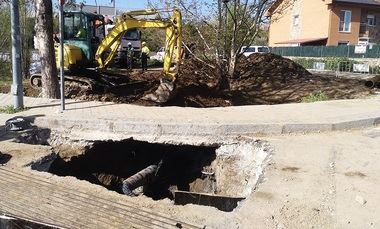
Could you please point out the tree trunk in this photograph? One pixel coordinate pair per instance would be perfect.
(223, 82)
(232, 64)
(44, 33)
(25, 39)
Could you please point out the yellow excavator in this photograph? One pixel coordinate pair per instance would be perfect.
(129, 20)
(86, 45)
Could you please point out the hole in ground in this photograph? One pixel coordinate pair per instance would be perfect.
(110, 163)
(213, 176)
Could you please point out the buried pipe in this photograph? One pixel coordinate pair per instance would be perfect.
(139, 179)
(377, 85)
(373, 82)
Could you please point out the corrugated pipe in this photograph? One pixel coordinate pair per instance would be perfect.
(139, 179)
(373, 82)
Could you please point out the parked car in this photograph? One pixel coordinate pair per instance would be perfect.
(248, 50)
(159, 54)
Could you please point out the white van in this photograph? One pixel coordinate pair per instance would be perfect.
(248, 50)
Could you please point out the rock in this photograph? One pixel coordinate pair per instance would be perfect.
(360, 200)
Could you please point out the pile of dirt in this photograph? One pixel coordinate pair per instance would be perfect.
(259, 79)
(270, 66)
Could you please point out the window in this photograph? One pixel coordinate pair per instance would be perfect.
(296, 20)
(343, 43)
(250, 49)
(345, 21)
(371, 20)
(75, 26)
(132, 34)
(263, 49)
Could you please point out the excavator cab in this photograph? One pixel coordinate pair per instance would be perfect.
(83, 33)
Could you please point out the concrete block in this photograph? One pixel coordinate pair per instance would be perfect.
(306, 128)
(354, 124)
(250, 129)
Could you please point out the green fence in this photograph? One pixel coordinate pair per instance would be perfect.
(327, 51)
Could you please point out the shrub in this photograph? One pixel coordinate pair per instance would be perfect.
(315, 97)
(11, 110)
(5, 71)
(306, 62)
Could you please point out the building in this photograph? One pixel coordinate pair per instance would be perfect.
(324, 22)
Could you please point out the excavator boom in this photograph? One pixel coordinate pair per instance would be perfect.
(173, 29)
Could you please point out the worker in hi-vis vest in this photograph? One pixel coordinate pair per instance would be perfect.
(144, 56)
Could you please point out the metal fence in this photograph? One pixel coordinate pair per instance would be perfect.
(348, 68)
(372, 51)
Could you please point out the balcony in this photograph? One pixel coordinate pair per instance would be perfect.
(367, 30)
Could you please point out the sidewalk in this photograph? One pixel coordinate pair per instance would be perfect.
(110, 118)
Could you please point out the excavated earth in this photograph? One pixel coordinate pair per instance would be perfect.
(259, 79)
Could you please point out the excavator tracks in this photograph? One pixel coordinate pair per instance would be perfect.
(105, 82)
(93, 80)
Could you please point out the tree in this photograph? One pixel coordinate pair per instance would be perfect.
(26, 28)
(27, 20)
(5, 27)
(154, 37)
(44, 34)
(224, 26)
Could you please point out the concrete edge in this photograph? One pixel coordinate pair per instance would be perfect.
(155, 130)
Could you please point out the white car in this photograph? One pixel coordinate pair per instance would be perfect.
(159, 54)
(248, 50)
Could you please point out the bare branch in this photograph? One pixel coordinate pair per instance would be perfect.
(197, 58)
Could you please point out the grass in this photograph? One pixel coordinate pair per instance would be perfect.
(315, 97)
(5, 73)
(11, 110)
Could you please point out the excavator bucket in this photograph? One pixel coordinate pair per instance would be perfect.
(164, 92)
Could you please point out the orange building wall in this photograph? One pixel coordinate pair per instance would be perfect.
(314, 19)
(279, 29)
(352, 36)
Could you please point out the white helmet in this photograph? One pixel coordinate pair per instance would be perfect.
(129, 44)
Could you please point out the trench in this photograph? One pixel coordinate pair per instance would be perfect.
(109, 163)
(218, 175)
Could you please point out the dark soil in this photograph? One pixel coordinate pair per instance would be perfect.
(28, 90)
(259, 79)
(179, 166)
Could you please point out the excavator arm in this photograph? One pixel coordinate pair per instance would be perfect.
(173, 29)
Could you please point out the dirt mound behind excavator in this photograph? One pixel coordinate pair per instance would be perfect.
(259, 79)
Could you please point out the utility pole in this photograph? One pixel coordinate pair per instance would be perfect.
(61, 54)
(114, 8)
(17, 90)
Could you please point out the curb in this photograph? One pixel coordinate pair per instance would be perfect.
(143, 127)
